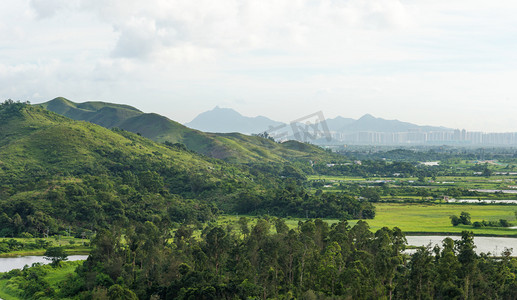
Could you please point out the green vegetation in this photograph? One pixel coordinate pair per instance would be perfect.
(232, 147)
(435, 218)
(57, 174)
(56, 255)
(464, 219)
(419, 218)
(293, 200)
(313, 260)
(150, 209)
(38, 282)
(10, 247)
(4, 293)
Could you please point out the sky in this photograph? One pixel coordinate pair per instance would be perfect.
(430, 62)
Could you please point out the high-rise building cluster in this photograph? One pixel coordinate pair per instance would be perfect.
(451, 137)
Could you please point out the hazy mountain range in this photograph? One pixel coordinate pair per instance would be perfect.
(226, 134)
(229, 120)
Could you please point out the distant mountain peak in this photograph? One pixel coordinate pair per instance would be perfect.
(226, 120)
(367, 117)
(223, 110)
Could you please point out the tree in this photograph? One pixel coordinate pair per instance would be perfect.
(447, 271)
(281, 227)
(455, 221)
(243, 225)
(118, 292)
(468, 259)
(217, 244)
(56, 255)
(504, 223)
(421, 274)
(330, 267)
(421, 178)
(465, 218)
(371, 194)
(265, 135)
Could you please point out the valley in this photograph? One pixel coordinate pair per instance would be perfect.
(175, 213)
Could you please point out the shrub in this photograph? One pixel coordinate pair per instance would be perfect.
(504, 223)
(478, 224)
(455, 220)
(26, 235)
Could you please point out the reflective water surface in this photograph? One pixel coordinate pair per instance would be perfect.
(494, 245)
(10, 263)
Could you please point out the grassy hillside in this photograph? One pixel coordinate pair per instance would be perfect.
(105, 114)
(260, 149)
(233, 147)
(56, 171)
(47, 140)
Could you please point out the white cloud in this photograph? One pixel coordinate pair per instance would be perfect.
(284, 58)
(49, 8)
(149, 27)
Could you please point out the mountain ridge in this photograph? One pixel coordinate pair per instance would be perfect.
(231, 120)
(368, 122)
(235, 147)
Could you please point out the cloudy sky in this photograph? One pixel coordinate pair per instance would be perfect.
(435, 62)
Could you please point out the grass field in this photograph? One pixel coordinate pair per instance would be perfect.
(72, 251)
(434, 218)
(53, 277)
(58, 275)
(420, 218)
(73, 246)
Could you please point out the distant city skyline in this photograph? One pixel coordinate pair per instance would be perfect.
(220, 120)
(438, 63)
(456, 138)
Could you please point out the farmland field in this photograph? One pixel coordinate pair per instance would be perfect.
(434, 218)
(421, 218)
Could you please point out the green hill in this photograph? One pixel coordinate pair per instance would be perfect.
(101, 113)
(56, 171)
(232, 147)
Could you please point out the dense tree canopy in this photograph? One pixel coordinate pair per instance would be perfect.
(269, 260)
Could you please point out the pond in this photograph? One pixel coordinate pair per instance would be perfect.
(494, 245)
(9, 263)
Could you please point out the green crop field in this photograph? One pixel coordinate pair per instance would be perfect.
(73, 246)
(434, 218)
(419, 218)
